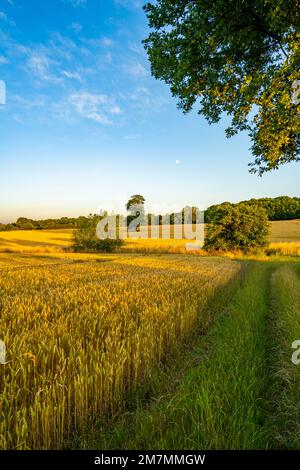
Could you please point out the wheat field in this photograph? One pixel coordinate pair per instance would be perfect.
(81, 331)
(284, 237)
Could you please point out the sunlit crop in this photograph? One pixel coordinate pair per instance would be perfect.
(83, 330)
(55, 241)
(288, 248)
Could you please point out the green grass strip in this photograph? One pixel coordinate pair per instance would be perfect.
(218, 403)
(284, 421)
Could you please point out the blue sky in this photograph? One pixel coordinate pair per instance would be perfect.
(86, 125)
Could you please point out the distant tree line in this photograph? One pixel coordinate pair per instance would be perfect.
(23, 223)
(279, 208)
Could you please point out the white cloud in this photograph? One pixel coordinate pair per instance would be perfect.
(96, 107)
(61, 47)
(131, 4)
(115, 110)
(135, 69)
(38, 64)
(143, 101)
(98, 42)
(77, 3)
(90, 106)
(137, 47)
(4, 17)
(142, 95)
(50, 62)
(100, 118)
(72, 75)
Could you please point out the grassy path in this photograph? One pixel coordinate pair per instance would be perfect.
(284, 420)
(218, 404)
(235, 387)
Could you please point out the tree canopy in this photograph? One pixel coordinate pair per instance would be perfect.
(240, 227)
(278, 208)
(135, 200)
(238, 57)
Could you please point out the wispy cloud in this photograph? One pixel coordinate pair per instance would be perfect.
(77, 3)
(35, 102)
(99, 78)
(38, 66)
(61, 47)
(98, 42)
(72, 75)
(96, 107)
(137, 48)
(115, 110)
(131, 4)
(144, 101)
(4, 17)
(49, 62)
(135, 69)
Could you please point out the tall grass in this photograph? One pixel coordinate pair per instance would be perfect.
(285, 249)
(82, 331)
(284, 409)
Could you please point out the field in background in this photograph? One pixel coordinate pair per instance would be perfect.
(35, 240)
(284, 248)
(47, 241)
(285, 231)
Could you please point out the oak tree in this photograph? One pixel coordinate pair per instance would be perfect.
(235, 57)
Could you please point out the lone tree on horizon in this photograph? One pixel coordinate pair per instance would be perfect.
(135, 200)
(135, 206)
(240, 58)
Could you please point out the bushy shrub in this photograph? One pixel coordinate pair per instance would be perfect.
(237, 227)
(86, 240)
(100, 246)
